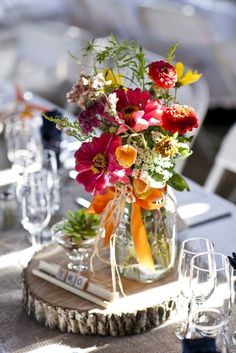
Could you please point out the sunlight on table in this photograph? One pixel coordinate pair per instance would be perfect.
(59, 348)
(193, 210)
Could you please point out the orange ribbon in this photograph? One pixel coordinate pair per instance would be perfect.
(141, 245)
(98, 205)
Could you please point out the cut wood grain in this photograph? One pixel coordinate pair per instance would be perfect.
(145, 305)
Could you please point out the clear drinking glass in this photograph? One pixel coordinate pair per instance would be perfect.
(35, 205)
(188, 249)
(211, 302)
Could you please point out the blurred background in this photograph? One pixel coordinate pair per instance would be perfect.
(36, 36)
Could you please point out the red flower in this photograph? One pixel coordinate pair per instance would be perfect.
(179, 118)
(163, 74)
(135, 108)
(96, 166)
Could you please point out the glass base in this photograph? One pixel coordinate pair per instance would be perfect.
(180, 330)
(79, 259)
(78, 267)
(141, 273)
(208, 322)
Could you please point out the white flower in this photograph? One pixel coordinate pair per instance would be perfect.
(98, 82)
(149, 163)
(84, 80)
(111, 106)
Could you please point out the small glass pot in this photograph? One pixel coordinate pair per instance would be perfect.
(78, 254)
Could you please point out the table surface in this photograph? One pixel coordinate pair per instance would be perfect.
(20, 333)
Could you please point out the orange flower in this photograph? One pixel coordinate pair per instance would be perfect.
(141, 189)
(126, 155)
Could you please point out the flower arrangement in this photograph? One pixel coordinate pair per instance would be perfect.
(132, 131)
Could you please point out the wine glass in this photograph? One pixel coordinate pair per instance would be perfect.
(35, 206)
(49, 164)
(211, 302)
(188, 249)
(23, 143)
(202, 276)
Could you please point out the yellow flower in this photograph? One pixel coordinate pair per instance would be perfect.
(116, 79)
(189, 77)
(126, 155)
(167, 147)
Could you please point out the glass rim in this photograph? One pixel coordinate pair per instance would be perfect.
(223, 256)
(195, 238)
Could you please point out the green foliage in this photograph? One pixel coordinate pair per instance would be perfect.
(170, 56)
(71, 128)
(185, 152)
(123, 54)
(80, 225)
(178, 182)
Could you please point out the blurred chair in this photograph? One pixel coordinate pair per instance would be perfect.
(42, 63)
(202, 42)
(13, 12)
(225, 55)
(225, 160)
(105, 16)
(167, 22)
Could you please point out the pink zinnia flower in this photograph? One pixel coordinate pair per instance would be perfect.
(95, 162)
(163, 74)
(135, 108)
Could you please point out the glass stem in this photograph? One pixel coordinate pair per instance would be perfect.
(35, 240)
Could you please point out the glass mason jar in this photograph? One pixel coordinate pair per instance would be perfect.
(160, 228)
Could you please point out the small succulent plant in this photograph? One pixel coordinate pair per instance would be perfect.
(79, 225)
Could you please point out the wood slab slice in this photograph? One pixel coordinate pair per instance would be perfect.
(144, 307)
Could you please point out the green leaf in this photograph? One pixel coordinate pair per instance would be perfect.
(77, 60)
(122, 54)
(185, 152)
(178, 183)
(170, 56)
(90, 46)
(185, 139)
